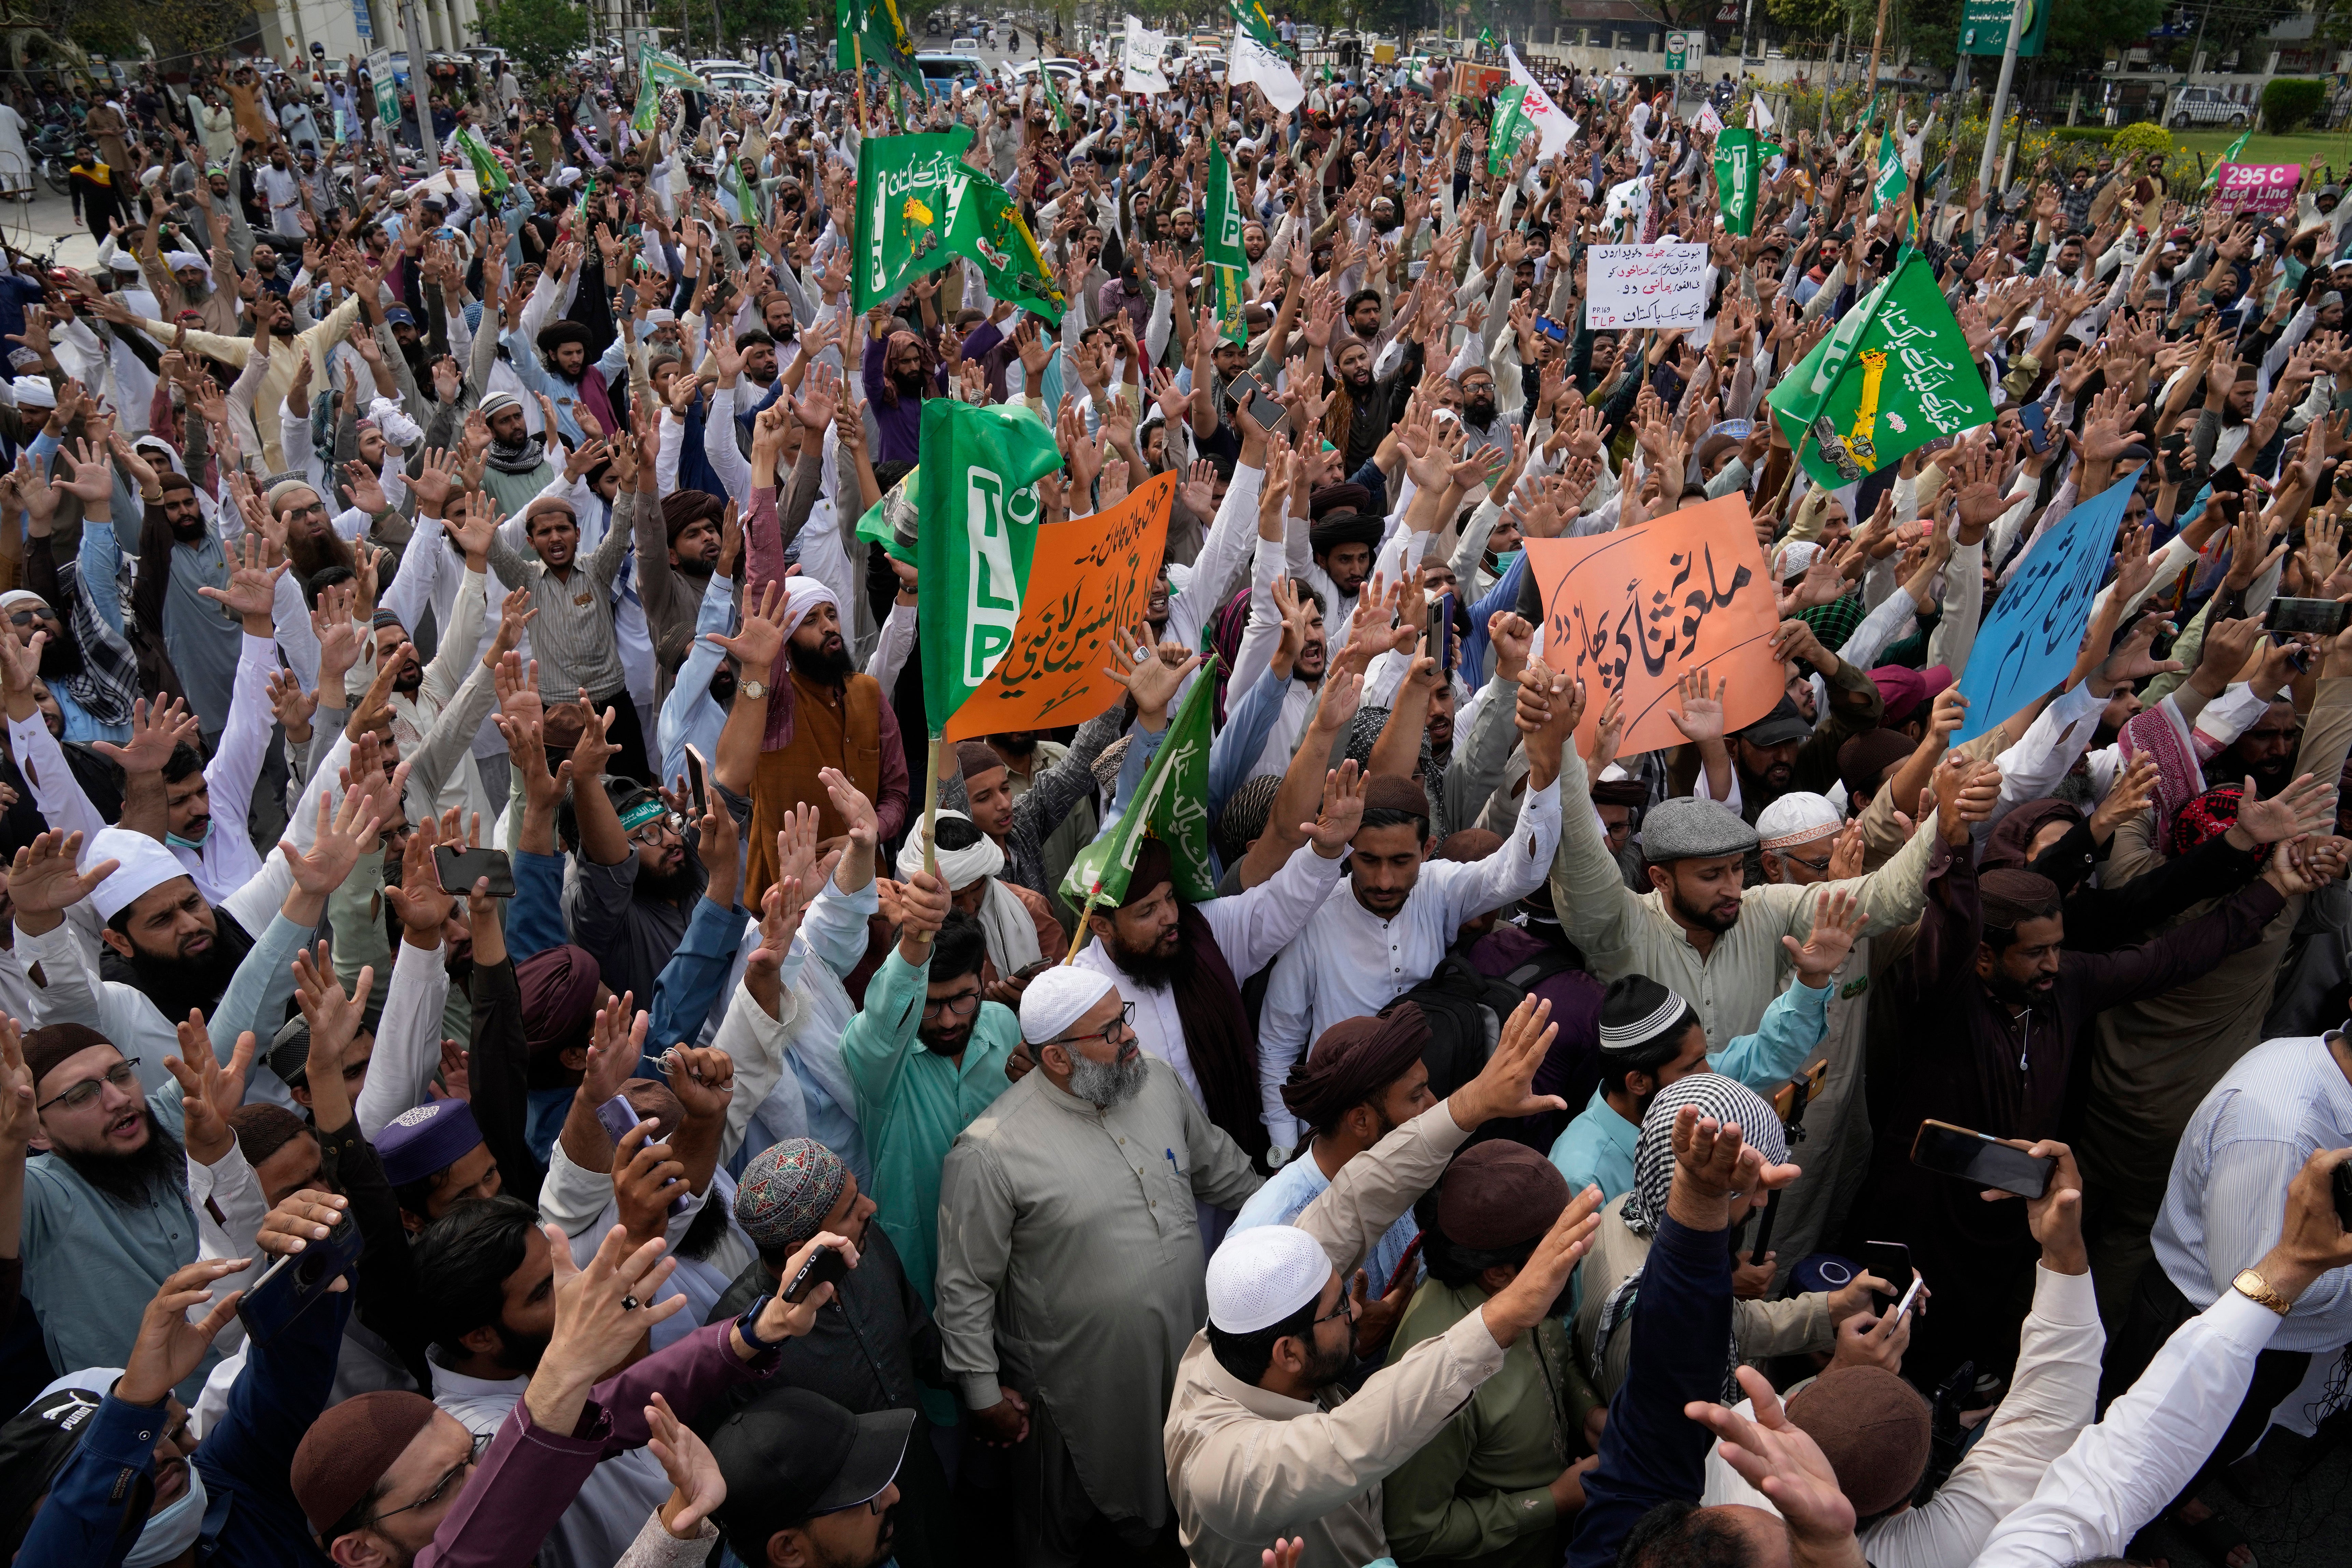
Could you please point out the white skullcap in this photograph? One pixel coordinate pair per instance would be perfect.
(15, 596)
(1796, 558)
(1263, 1275)
(1799, 816)
(145, 866)
(803, 595)
(660, 316)
(1057, 998)
(567, 176)
(961, 868)
(34, 390)
(1179, 576)
(122, 263)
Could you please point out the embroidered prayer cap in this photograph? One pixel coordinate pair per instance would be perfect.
(1685, 827)
(786, 1191)
(1726, 1100)
(498, 403)
(1636, 1011)
(1799, 816)
(1873, 1429)
(427, 1138)
(1057, 998)
(143, 866)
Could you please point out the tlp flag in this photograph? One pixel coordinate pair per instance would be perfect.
(1740, 156)
(1250, 16)
(1255, 62)
(919, 203)
(1893, 180)
(2028, 645)
(1536, 107)
(869, 32)
(1896, 374)
(1138, 64)
(1221, 247)
(979, 508)
(1169, 805)
(1511, 127)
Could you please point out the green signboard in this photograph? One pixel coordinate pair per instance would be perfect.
(1984, 28)
(387, 89)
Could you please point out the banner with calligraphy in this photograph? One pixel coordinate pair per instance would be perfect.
(1661, 284)
(2028, 644)
(1632, 613)
(2266, 188)
(1090, 581)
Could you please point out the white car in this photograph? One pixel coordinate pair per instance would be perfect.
(2206, 106)
(1065, 71)
(730, 80)
(966, 45)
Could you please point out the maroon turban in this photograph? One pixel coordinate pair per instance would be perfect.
(1153, 866)
(681, 510)
(2010, 898)
(559, 997)
(1499, 1193)
(2206, 817)
(1354, 1060)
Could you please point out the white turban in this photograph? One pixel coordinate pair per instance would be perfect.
(961, 868)
(803, 595)
(145, 866)
(189, 261)
(34, 391)
(1263, 1275)
(1796, 817)
(1057, 998)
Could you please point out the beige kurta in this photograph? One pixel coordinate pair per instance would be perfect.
(1623, 932)
(1246, 1465)
(317, 341)
(2153, 1060)
(1760, 1329)
(1070, 1265)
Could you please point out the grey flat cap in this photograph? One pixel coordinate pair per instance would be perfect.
(1687, 829)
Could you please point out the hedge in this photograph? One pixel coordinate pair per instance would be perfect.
(2290, 103)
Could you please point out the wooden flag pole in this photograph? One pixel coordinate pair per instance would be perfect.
(931, 812)
(857, 53)
(1079, 938)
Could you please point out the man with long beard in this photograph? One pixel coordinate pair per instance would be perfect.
(925, 1056)
(312, 543)
(678, 551)
(180, 556)
(515, 469)
(900, 371)
(1069, 1269)
(1364, 408)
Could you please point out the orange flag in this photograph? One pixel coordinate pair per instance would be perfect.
(1089, 579)
(1632, 612)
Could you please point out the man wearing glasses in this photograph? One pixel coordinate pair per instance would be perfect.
(1071, 1204)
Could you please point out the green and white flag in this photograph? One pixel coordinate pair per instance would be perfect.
(1892, 180)
(978, 509)
(870, 33)
(667, 71)
(1896, 374)
(919, 202)
(1251, 16)
(1510, 126)
(489, 173)
(1169, 805)
(1261, 64)
(641, 120)
(1220, 246)
(1052, 92)
(1486, 39)
(1740, 156)
(2230, 156)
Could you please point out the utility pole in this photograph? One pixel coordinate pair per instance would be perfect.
(420, 85)
(1995, 121)
(1877, 38)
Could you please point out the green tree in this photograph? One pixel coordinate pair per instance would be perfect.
(538, 35)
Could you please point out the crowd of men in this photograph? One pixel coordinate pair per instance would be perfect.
(498, 1061)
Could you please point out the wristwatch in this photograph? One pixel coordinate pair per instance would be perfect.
(2255, 1288)
(752, 687)
(747, 1326)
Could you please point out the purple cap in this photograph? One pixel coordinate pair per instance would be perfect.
(427, 1138)
(1905, 690)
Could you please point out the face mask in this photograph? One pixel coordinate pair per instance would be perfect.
(1503, 563)
(174, 1530)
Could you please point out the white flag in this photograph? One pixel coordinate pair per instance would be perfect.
(1759, 118)
(1253, 62)
(1708, 120)
(1551, 122)
(1139, 70)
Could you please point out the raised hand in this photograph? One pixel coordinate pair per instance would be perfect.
(209, 1089)
(1838, 921)
(1341, 813)
(252, 585)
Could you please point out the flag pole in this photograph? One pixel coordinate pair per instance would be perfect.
(931, 805)
(857, 55)
(1078, 937)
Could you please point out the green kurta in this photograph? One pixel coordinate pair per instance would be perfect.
(912, 1101)
(1071, 1267)
(1481, 1487)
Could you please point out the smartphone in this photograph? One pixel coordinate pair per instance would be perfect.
(2344, 1194)
(1441, 635)
(457, 868)
(696, 774)
(1890, 1261)
(1556, 331)
(620, 1119)
(1910, 1297)
(1984, 1160)
(2035, 417)
(295, 1282)
(1248, 392)
(1791, 1097)
(2325, 617)
(826, 1266)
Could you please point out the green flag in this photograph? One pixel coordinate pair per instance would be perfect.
(668, 71)
(1169, 805)
(1891, 182)
(1487, 37)
(919, 203)
(487, 170)
(979, 508)
(1053, 96)
(1740, 155)
(1510, 126)
(869, 33)
(2230, 156)
(883, 520)
(1251, 16)
(1221, 247)
(1896, 374)
(648, 104)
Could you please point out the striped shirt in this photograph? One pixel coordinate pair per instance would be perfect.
(573, 636)
(2227, 1198)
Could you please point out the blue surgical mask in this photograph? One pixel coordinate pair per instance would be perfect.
(1503, 563)
(193, 845)
(173, 1529)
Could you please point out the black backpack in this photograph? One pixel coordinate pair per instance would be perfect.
(1464, 1011)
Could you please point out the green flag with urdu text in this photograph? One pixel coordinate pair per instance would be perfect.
(1510, 126)
(919, 202)
(1220, 246)
(1169, 805)
(1739, 157)
(870, 32)
(1251, 17)
(1896, 374)
(977, 507)
(1891, 181)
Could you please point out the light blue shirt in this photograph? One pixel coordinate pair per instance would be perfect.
(688, 716)
(1598, 1147)
(1300, 1182)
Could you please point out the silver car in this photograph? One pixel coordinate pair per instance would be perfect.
(2206, 106)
